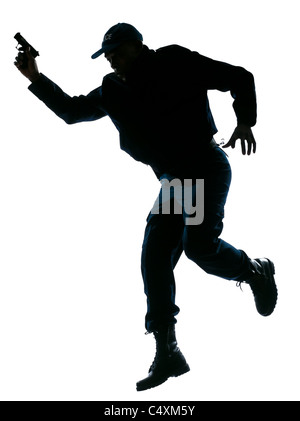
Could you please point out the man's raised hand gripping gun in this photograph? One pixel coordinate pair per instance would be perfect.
(25, 61)
(24, 46)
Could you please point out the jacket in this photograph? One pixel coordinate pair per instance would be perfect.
(162, 111)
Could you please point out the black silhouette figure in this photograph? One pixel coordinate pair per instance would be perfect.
(158, 102)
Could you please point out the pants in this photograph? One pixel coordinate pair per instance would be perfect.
(168, 235)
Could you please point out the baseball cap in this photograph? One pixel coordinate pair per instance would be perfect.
(116, 35)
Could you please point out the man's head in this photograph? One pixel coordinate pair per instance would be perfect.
(121, 45)
(122, 57)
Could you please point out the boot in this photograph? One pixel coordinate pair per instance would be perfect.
(168, 361)
(262, 284)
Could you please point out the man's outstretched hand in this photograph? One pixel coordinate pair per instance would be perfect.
(26, 63)
(244, 133)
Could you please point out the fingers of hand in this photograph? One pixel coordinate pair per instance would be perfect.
(24, 58)
(254, 145)
(19, 60)
(231, 142)
(244, 138)
(251, 145)
(244, 147)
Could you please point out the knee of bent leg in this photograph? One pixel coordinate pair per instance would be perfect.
(199, 245)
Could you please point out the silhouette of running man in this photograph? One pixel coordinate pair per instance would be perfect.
(158, 102)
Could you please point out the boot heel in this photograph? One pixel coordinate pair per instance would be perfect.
(272, 266)
(182, 370)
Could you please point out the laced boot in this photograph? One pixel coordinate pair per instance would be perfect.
(262, 284)
(168, 361)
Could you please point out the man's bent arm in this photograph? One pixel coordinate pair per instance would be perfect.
(70, 109)
(240, 83)
(226, 77)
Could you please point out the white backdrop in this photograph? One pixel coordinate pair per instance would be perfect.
(73, 209)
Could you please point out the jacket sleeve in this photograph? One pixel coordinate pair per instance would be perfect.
(71, 109)
(225, 77)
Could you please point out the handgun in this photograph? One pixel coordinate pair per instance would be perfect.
(23, 46)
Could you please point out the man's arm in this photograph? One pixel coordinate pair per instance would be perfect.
(71, 109)
(225, 77)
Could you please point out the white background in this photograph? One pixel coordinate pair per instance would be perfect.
(73, 209)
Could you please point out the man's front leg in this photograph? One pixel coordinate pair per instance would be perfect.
(161, 250)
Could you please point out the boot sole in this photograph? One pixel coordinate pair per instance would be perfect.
(270, 271)
(176, 373)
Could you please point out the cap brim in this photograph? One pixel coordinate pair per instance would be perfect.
(106, 49)
(97, 53)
